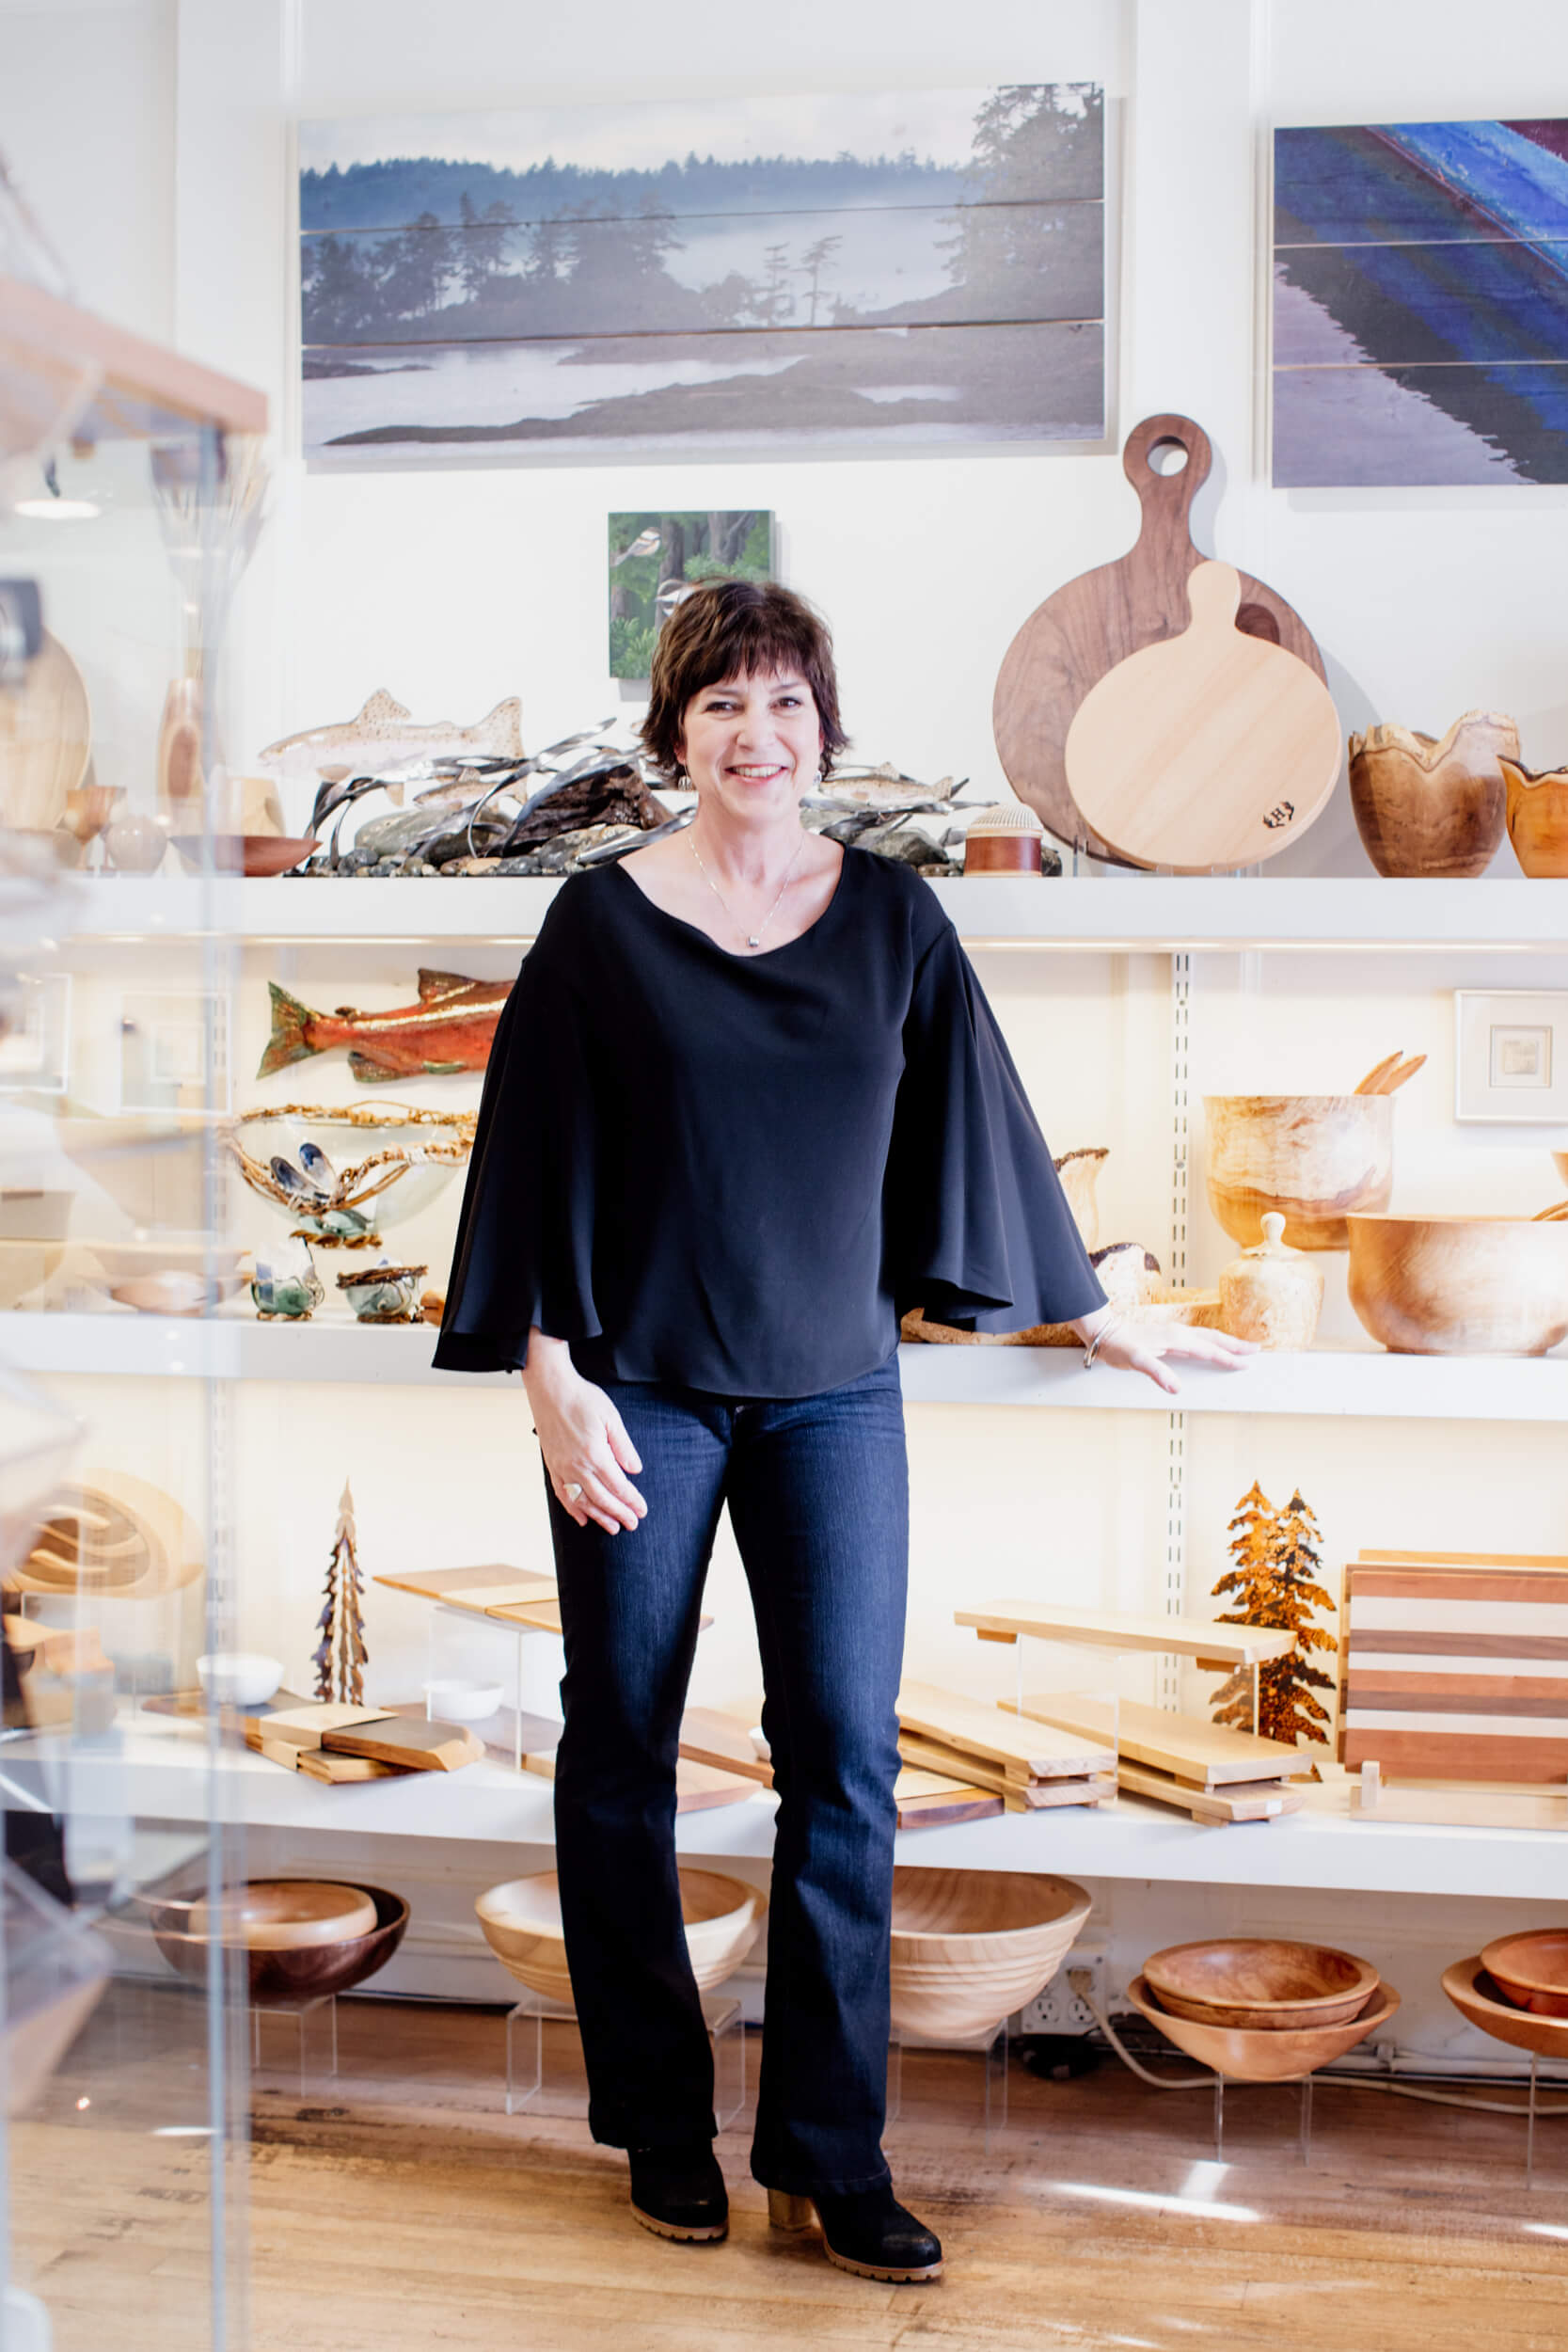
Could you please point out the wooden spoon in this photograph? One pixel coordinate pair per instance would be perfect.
(1556, 1214)
(1397, 1078)
(1373, 1081)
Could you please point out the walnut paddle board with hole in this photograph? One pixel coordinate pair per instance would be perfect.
(1068, 644)
(1209, 750)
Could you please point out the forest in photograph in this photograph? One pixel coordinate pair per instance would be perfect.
(1420, 308)
(655, 560)
(648, 297)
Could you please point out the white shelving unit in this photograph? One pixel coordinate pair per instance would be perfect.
(1146, 912)
(161, 1774)
(1335, 1383)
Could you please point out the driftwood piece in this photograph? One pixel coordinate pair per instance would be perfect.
(1431, 806)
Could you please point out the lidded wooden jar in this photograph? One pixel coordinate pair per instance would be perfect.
(1272, 1293)
(1003, 840)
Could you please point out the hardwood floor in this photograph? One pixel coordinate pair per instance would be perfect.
(398, 2206)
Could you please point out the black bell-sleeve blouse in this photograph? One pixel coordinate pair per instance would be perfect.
(736, 1173)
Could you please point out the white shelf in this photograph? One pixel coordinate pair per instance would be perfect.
(1133, 911)
(1335, 1383)
(159, 1774)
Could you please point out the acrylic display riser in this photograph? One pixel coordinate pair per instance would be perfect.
(544, 2058)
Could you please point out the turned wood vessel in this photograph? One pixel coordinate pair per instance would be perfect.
(1079, 1173)
(521, 1920)
(1260, 1984)
(285, 1915)
(1460, 1285)
(1260, 2056)
(303, 1972)
(1272, 1294)
(1312, 1157)
(1532, 1970)
(1538, 818)
(1005, 841)
(1479, 1999)
(969, 1947)
(1430, 806)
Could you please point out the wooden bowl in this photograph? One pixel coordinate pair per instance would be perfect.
(1429, 808)
(1538, 818)
(969, 1947)
(255, 854)
(284, 1914)
(1262, 2055)
(1312, 1157)
(521, 1920)
(1260, 1985)
(1460, 1285)
(303, 1972)
(1479, 1999)
(1559, 1160)
(1532, 1970)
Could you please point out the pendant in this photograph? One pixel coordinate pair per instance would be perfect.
(754, 940)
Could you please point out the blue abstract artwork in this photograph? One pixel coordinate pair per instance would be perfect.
(1420, 304)
(910, 269)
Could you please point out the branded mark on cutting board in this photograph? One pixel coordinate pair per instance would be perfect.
(1280, 814)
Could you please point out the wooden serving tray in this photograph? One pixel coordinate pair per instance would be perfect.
(1221, 1648)
(1045, 1749)
(1204, 1755)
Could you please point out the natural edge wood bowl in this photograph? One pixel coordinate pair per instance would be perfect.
(285, 1915)
(1532, 1970)
(969, 1947)
(1260, 1983)
(1460, 1285)
(521, 1920)
(1538, 819)
(1428, 806)
(253, 853)
(1260, 2056)
(305, 1973)
(1478, 2000)
(1311, 1157)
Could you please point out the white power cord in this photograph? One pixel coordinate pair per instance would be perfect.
(1082, 1983)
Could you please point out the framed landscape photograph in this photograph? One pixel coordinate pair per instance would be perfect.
(921, 269)
(655, 560)
(1420, 304)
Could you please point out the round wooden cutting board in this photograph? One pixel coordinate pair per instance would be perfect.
(1209, 750)
(1070, 642)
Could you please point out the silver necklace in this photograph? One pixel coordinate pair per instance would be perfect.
(753, 939)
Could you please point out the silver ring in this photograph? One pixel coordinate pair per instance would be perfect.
(571, 1493)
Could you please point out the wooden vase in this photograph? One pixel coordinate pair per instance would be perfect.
(1460, 1285)
(1079, 1172)
(1432, 807)
(1312, 1157)
(1272, 1294)
(1538, 819)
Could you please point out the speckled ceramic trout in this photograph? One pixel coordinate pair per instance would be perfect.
(449, 1028)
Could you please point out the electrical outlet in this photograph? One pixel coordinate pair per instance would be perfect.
(1059, 2009)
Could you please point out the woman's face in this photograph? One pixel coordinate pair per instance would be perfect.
(754, 744)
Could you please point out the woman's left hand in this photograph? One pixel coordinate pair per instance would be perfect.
(1136, 1346)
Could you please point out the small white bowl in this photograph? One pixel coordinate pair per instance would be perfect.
(456, 1702)
(239, 1677)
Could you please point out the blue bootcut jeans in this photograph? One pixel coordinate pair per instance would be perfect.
(817, 1491)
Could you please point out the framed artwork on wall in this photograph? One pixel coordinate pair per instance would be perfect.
(35, 1050)
(655, 560)
(1420, 304)
(895, 271)
(1511, 1059)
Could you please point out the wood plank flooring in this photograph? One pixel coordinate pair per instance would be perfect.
(398, 2206)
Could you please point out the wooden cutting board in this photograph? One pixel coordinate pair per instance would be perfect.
(1221, 1647)
(45, 739)
(1206, 1755)
(1212, 749)
(1082, 631)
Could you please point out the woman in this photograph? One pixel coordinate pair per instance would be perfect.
(746, 1105)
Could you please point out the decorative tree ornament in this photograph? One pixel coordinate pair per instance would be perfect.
(339, 1656)
(1275, 1584)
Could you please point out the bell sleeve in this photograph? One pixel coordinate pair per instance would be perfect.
(979, 1227)
(524, 1251)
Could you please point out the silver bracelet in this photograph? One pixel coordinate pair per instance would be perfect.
(1103, 1334)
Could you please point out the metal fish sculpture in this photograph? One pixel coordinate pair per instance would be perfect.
(384, 733)
(451, 1028)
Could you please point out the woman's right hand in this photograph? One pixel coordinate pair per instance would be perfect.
(584, 1439)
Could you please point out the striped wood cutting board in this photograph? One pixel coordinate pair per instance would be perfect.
(1458, 1671)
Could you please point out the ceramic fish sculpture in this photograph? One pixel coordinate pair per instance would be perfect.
(384, 735)
(449, 1028)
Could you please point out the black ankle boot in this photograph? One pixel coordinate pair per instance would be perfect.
(868, 2232)
(679, 2192)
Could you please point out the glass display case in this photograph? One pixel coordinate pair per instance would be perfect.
(130, 493)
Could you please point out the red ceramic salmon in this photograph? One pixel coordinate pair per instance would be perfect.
(451, 1028)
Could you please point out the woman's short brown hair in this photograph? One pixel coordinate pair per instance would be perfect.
(737, 628)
